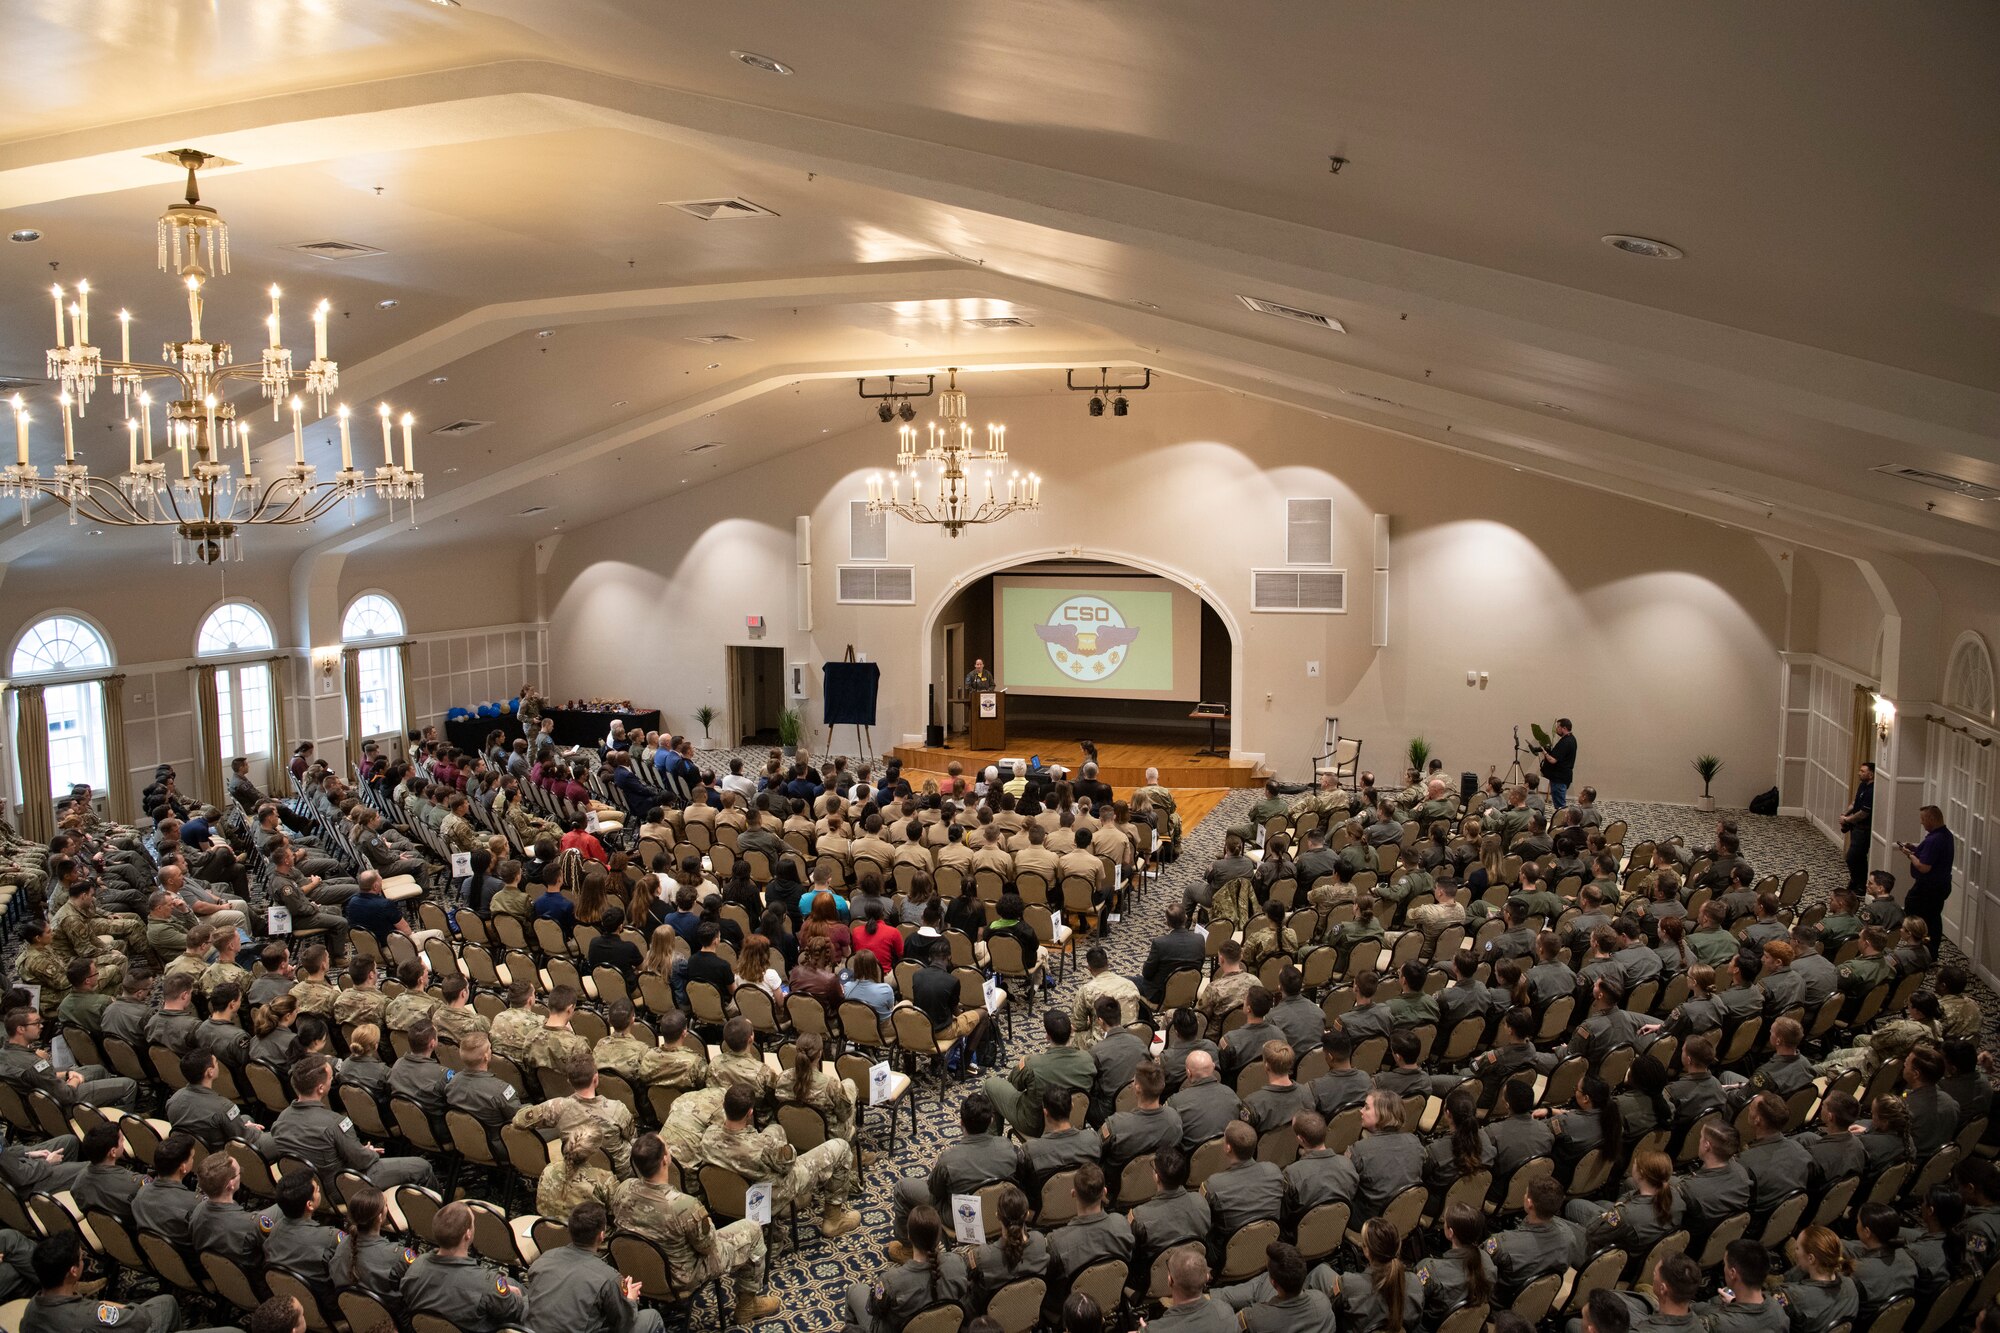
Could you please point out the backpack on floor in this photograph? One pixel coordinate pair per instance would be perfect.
(1766, 804)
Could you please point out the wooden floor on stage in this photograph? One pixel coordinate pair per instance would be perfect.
(1123, 764)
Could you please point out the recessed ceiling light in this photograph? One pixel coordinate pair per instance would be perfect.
(439, 379)
(619, 403)
(765, 63)
(448, 471)
(715, 365)
(1644, 247)
(25, 236)
(389, 304)
(545, 333)
(1144, 305)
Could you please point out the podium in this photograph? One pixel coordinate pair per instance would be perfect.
(988, 725)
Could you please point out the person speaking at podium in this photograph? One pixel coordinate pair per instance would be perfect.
(979, 678)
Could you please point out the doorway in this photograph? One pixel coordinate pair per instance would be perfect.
(756, 693)
(951, 686)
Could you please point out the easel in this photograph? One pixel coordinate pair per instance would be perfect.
(863, 736)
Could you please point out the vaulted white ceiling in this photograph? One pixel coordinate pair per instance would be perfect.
(1115, 172)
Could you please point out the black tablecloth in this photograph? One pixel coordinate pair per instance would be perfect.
(574, 726)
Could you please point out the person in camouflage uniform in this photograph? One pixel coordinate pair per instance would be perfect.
(315, 994)
(513, 1026)
(415, 1003)
(455, 1016)
(757, 1155)
(225, 971)
(1223, 993)
(38, 965)
(625, 1055)
(584, 1106)
(1103, 981)
(76, 928)
(740, 1063)
(569, 1179)
(1889, 1042)
(362, 1002)
(648, 1205)
(553, 1045)
(686, 1056)
(689, 1119)
(193, 957)
(806, 1083)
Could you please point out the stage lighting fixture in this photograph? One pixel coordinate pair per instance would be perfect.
(907, 412)
(1119, 407)
(1096, 406)
(886, 412)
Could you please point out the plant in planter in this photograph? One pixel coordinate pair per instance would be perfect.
(1420, 754)
(1707, 765)
(790, 724)
(705, 715)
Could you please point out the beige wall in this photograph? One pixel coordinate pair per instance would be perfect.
(1616, 613)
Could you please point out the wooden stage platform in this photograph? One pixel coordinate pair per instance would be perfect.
(1122, 764)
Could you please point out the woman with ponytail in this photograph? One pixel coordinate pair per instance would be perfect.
(1594, 1122)
(1819, 1288)
(1887, 1138)
(933, 1274)
(1647, 1212)
(1018, 1251)
(1937, 1247)
(1383, 1298)
(809, 1085)
(363, 1259)
(1465, 1274)
(1672, 948)
(1884, 1271)
(1463, 1149)
(272, 1041)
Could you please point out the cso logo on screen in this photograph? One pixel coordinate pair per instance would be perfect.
(1086, 637)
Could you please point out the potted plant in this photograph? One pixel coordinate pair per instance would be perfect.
(790, 724)
(705, 715)
(1707, 765)
(1420, 755)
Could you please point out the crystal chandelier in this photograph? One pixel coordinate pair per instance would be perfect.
(953, 500)
(209, 501)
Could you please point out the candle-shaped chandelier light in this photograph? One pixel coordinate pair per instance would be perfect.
(209, 499)
(950, 482)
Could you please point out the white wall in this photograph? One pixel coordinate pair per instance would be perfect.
(1656, 633)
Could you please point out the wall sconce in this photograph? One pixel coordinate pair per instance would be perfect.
(1885, 716)
(326, 668)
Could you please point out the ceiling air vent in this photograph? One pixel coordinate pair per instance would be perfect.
(703, 447)
(16, 383)
(711, 339)
(1371, 398)
(999, 322)
(721, 210)
(337, 250)
(461, 427)
(1292, 312)
(531, 509)
(1939, 481)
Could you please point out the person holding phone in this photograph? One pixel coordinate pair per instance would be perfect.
(1930, 872)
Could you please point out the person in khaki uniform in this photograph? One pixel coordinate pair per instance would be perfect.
(955, 852)
(363, 1001)
(456, 1017)
(826, 1171)
(569, 1180)
(585, 1106)
(415, 1004)
(1036, 858)
(993, 854)
(740, 1064)
(553, 1045)
(1103, 982)
(513, 1027)
(696, 1248)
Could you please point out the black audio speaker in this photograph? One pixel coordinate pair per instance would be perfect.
(934, 736)
(1468, 787)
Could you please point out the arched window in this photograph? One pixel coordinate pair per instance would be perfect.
(57, 646)
(243, 690)
(1968, 682)
(234, 627)
(369, 617)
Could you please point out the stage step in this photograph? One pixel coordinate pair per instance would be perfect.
(1122, 764)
